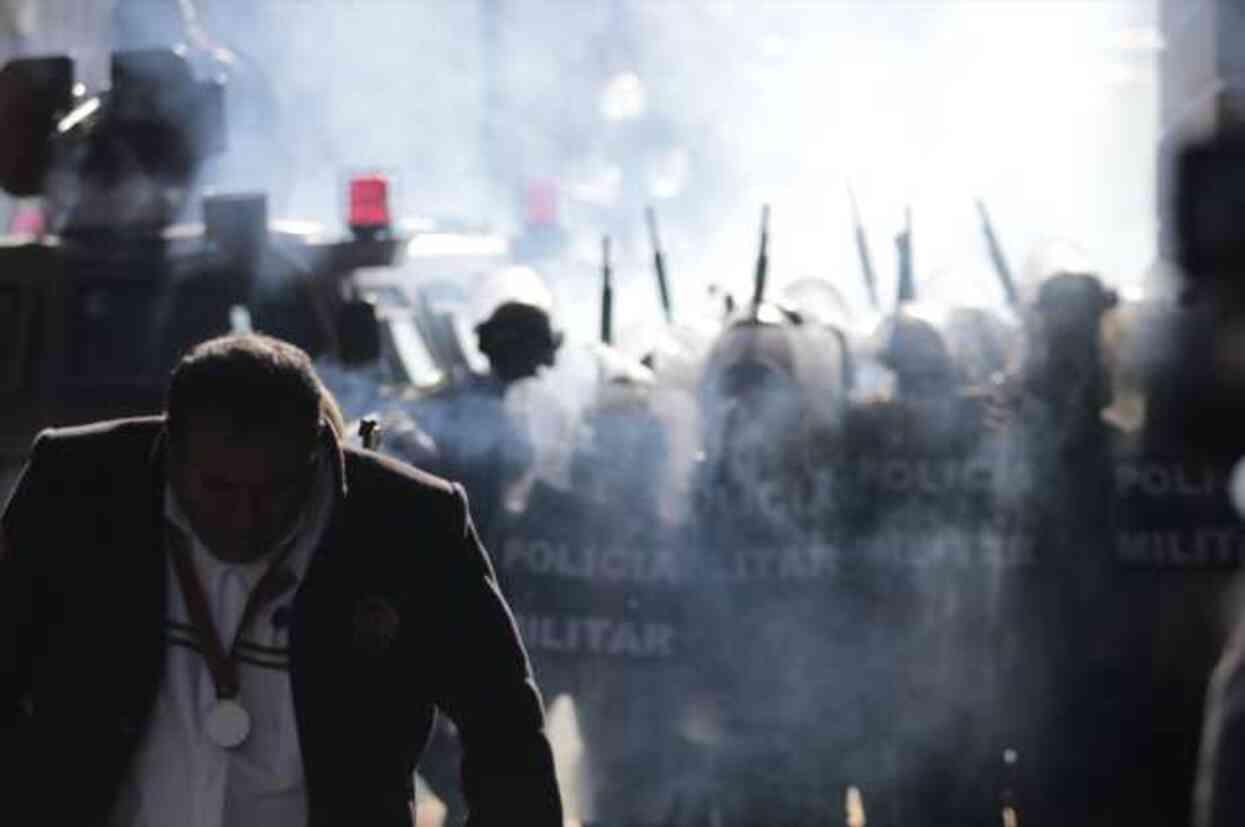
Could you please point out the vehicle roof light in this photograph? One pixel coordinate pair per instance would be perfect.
(369, 203)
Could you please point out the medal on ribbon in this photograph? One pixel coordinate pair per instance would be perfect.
(228, 723)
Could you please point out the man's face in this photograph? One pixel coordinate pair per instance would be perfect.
(240, 489)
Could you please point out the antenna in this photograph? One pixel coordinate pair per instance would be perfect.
(762, 268)
(907, 279)
(862, 249)
(659, 265)
(607, 293)
(997, 258)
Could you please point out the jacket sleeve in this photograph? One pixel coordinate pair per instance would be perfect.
(24, 595)
(1218, 799)
(487, 690)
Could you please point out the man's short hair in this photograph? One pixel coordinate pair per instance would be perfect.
(249, 381)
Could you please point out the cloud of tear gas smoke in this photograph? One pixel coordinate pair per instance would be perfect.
(324, 88)
(708, 110)
(879, 572)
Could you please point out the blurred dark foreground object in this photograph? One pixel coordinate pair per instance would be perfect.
(1208, 206)
(1195, 406)
(32, 92)
(120, 158)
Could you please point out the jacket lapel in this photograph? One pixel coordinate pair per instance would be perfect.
(314, 668)
(149, 609)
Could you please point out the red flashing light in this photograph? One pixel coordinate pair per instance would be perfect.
(27, 220)
(540, 206)
(369, 202)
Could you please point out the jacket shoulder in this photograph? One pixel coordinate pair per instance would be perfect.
(114, 439)
(384, 479)
(388, 499)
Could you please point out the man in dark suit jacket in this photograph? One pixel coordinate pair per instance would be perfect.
(124, 697)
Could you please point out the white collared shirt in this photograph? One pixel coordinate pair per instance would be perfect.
(180, 777)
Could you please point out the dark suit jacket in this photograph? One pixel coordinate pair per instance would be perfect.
(1218, 800)
(82, 593)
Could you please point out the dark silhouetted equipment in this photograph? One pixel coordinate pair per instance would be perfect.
(903, 248)
(997, 259)
(369, 432)
(862, 249)
(359, 333)
(120, 160)
(607, 294)
(762, 268)
(34, 92)
(1207, 202)
(659, 265)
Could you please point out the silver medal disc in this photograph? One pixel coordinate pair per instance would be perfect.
(228, 723)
